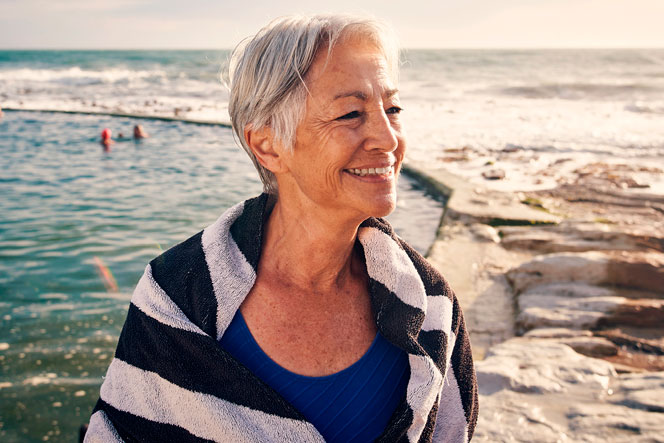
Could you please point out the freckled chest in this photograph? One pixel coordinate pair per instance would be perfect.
(310, 334)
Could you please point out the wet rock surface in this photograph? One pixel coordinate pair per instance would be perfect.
(615, 423)
(642, 391)
(534, 389)
(494, 174)
(566, 313)
(539, 366)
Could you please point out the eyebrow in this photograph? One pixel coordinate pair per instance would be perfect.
(362, 96)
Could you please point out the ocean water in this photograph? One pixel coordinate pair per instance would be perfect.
(558, 108)
(78, 226)
(555, 110)
(75, 221)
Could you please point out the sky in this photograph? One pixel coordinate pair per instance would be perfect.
(219, 24)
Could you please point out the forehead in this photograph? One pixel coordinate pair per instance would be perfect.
(353, 62)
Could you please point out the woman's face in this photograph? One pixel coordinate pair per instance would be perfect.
(349, 146)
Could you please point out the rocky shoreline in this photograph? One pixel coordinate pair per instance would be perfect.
(563, 294)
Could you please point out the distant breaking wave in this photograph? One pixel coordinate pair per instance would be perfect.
(75, 76)
(645, 109)
(580, 91)
(601, 103)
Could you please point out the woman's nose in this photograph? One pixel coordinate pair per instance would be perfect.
(380, 132)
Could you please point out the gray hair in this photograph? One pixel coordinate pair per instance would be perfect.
(266, 73)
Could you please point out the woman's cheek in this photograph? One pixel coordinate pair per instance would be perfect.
(350, 136)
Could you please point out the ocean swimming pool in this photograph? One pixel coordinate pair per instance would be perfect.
(70, 211)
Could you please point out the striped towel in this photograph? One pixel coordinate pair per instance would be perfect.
(171, 381)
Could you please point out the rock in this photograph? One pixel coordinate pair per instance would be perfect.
(626, 369)
(538, 390)
(582, 342)
(513, 417)
(534, 239)
(579, 237)
(615, 423)
(505, 208)
(591, 346)
(632, 361)
(485, 232)
(565, 305)
(650, 400)
(612, 175)
(494, 174)
(642, 391)
(634, 269)
(540, 366)
(639, 382)
(627, 341)
(629, 182)
(638, 294)
(636, 354)
(643, 270)
(586, 267)
(463, 149)
(581, 200)
(638, 313)
(556, 333)
(509, 148)
(454, 158)
(600, 266)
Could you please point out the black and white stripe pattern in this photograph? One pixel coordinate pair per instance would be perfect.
(170, 380)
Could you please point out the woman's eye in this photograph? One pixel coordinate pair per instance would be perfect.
(349, 116)
(394, 110)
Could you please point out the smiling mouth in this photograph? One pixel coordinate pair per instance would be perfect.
(370, 171)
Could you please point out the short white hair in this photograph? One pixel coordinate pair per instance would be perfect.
(266, 73)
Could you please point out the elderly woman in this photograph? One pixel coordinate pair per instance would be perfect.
(298, 315)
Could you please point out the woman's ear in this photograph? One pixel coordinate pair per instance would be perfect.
(265, 147)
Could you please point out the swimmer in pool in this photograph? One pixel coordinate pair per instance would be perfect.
(106, 140)
(139, 132)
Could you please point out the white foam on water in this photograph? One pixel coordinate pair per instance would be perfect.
(75, 76)
(549, 139)
(558, 110)
(37, 380)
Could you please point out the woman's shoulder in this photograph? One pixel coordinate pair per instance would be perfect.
(434, 282)
(183, 257)
(189, 255)
(182, 274)
(195, 273)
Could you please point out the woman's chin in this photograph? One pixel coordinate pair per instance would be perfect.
(381, 207)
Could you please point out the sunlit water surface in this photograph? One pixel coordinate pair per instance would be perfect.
(69, 211)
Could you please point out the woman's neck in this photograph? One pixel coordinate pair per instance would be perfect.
(310, 250)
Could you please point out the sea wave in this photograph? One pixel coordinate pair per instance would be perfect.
(560, 148)
(580, 91)
(75, 76)
(642, 108)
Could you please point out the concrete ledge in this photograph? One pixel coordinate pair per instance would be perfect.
(468, 253)
(477, 204)
(120, 114)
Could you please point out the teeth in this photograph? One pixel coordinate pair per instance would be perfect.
(370, 171)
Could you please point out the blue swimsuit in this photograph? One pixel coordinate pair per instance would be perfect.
(353, 405)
